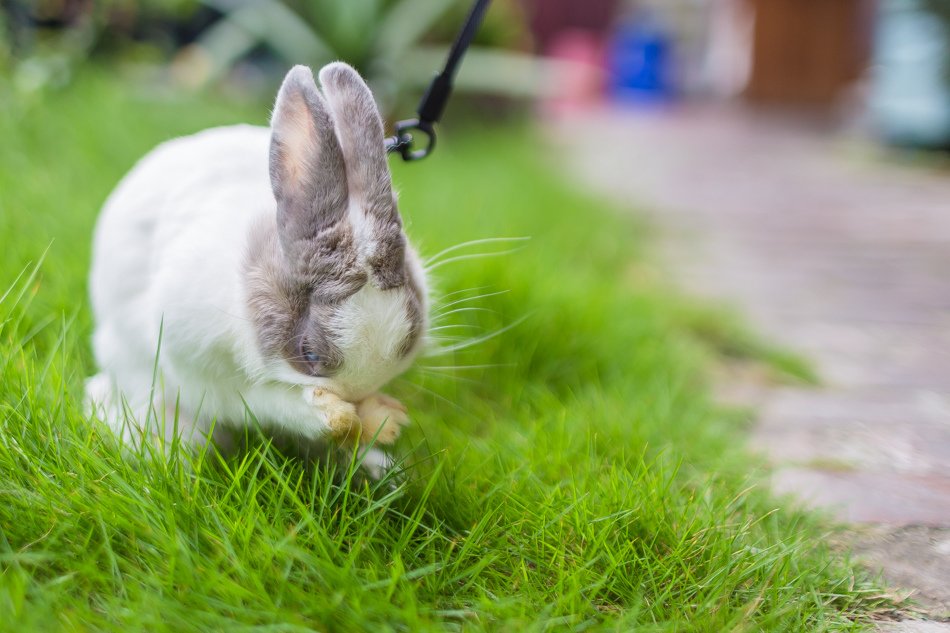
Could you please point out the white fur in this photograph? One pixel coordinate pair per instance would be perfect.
(168, 257)
(372, 326)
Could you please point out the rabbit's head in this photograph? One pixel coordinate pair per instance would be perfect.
(337, 296)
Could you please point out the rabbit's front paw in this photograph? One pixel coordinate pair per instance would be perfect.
(341, 416)
(377, 411)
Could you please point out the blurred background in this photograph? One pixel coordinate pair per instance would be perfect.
(793, 151)
(881, 64)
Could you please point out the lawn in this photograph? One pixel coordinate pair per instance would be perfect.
(566, 468)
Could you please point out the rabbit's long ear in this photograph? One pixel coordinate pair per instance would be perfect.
(307, 171)
(360, 130)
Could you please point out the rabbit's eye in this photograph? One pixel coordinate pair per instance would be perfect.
(309, 358)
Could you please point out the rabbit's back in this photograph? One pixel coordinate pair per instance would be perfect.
(169, 248)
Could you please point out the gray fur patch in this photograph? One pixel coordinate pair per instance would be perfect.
(282, 306)
(275, 299)
(388, 262)
(327, 264)
(360, 131)
(414, 310)
(308, 175)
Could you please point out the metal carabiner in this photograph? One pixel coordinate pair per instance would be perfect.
(403, 142)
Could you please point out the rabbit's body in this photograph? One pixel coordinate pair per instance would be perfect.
(169, 263)
(238, 265)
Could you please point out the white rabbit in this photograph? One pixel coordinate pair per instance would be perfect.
(269, 266)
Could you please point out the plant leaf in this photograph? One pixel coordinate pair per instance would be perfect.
(224, 42)
(409, 21)
(275, 25)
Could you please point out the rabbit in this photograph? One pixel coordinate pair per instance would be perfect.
(252, 275)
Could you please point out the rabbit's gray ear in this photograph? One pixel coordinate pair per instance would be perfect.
(307, 171)
(360, 130)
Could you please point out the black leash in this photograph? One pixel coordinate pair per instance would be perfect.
(437, 95)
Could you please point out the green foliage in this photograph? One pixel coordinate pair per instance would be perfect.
(37, 56)
(42, 42)
(397, 45)
(568, 473)
(940, 9)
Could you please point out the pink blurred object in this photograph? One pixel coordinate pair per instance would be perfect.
(578, 81)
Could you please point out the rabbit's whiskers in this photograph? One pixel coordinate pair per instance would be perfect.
(476, 340)
(459, 258)
(489, 240)
(467, 299)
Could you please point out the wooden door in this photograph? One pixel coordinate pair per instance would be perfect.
(805, 52)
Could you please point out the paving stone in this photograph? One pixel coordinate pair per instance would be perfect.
(862, 496)
(914, 626)
(915, 556)
(837, 254)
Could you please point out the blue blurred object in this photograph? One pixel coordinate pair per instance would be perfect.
(640, 60)
(910, 101)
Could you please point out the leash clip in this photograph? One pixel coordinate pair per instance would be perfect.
(437, 94)
(403, 142)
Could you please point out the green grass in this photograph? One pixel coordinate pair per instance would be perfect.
(583, 481)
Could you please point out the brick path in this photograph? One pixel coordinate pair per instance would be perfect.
(833, 252)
